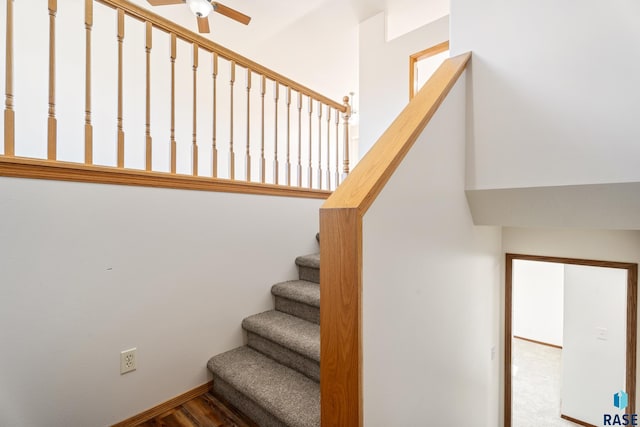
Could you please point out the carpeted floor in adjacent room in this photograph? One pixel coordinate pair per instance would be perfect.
(536, 385)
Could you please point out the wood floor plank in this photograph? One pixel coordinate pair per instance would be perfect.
(205, 414)
(231, 414)
(205, 410)
(177, 419)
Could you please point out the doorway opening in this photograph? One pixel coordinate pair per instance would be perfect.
(628, 318)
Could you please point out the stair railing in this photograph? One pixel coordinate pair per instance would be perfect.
(341, 219)
(294, 152)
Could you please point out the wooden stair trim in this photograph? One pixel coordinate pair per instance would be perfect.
(341, 218)
(18, 167)
(165, 406)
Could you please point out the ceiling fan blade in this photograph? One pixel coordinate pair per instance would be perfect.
(203, 24)
(231, 13)
(164, 2)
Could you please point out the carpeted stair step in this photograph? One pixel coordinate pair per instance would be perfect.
(292, 341)
(299, 298)
(309, 267)
(267, 392)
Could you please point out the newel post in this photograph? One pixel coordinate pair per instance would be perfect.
(346, 116)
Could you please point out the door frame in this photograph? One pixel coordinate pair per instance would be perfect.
(418, 56)
(632, 323)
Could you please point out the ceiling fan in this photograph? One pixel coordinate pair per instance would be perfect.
(202, 9)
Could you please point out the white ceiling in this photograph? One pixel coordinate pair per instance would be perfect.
(272, 17)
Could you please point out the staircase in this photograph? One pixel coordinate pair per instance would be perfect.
(274, 379)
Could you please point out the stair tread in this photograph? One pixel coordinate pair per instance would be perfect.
(298, 290)
(311, 261)
(288, 395)
(291, 332)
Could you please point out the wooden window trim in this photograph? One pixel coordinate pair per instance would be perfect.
(426, 53)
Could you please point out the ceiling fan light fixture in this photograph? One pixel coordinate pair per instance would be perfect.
(200, 8)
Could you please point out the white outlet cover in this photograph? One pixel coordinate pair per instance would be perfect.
(128, 360)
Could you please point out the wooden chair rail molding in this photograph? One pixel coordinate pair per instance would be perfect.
(341, 250)
(325, 157)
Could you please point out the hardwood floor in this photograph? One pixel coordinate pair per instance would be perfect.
(205, 410)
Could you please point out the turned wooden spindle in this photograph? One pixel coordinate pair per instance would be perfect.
(345, 157)
(299, 168)
(214, 146)
(337, 170)
(172, 132)
(288, 165)
(276, 96)
(52, 123)
(194, 145)
(310, 165)
(232, 158)
(88, 127)
(328, 171)
(9, 113)
(247, 160)
(319, 172)
(147, 122)
(120, 143)
(263, 89)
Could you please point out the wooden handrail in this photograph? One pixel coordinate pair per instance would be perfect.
(365, 182)
(164, 24)
(341, 218)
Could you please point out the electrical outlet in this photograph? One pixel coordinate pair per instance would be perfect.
(127, 360)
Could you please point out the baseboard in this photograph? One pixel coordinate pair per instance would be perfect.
(573, 420)
(164, 407)
(538, 342)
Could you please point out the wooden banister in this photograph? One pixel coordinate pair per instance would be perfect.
(168, 26)
(341, 218)
(126, 14)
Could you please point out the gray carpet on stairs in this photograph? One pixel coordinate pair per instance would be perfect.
(246, 406)
(287, 357)
(294, 308)
(298, 290)
(281, 394)
(311, 260)
(274, 380)
(298, 298)
(289, 331)
(309, 267)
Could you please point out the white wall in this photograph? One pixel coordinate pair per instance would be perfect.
(90, 270)
(538, 297)
(594, 355)
(609, 245)
(384, 73)
(430, 290)
(550, 77)
(404, 16)
(425, 68)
